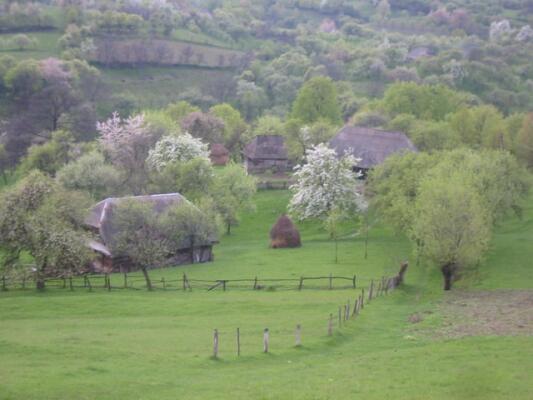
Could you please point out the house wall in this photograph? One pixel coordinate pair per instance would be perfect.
(262, 166)
(103, 264)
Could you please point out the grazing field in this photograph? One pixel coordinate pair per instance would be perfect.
(139, 345)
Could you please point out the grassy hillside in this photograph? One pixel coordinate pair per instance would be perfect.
(134, 344)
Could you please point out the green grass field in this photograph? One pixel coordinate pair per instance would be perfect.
(140, 345)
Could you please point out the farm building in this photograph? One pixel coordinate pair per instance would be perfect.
(266, 153)
(371, 146)
(101, 222)
(219, 155)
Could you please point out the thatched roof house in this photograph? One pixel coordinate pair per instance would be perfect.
(284, 234)
(266, 153)
(101, 221)
(370, 145)
(219, 154)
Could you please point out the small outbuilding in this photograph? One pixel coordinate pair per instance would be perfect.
(101, 222)
(371, 146)
(219, 155)
(284, 234)
(266, 153)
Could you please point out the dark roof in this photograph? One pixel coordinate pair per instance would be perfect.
(101, 214)
(372, 146)
(266, 147)
(419, 52)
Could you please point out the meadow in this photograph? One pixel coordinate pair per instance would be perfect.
(156, 345)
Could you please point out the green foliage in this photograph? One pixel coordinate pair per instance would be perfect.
(422, 101)
(232, 193)
(451, 223)
(50, 156)
(40, 217)
(92, 174)
(524, 141)
(235, 128)
(316, 100)
(23, 80)
(177, 111)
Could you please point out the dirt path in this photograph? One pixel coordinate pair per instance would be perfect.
(487, 313)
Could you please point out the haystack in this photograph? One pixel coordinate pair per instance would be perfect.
(284, 234)
(219, 154)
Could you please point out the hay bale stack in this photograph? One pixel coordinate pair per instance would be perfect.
(219, 154)
(284, 234)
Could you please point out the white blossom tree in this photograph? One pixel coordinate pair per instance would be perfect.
(127, 142)
(325, 183)
(170, 149)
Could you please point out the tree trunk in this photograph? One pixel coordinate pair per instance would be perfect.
(228, 231)
(147, 278)
(336, 251)
(39, 278)
(447, 273)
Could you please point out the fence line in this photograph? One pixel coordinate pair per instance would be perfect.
(345, 313)
(184, 283)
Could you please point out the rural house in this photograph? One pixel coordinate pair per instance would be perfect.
(371, 146)
(266, 153)
(100, 221)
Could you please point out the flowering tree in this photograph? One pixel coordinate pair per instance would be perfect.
(127, 142)
(172, 149)
(325, 183)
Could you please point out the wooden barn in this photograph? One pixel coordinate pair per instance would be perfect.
(266, 153)
(100, 222)
(371, 146)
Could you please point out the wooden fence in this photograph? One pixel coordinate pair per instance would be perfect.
(345, 313)
(180, 282)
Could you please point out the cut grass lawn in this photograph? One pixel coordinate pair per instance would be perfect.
(140, 345)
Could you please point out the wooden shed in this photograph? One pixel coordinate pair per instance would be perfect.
(266, 153)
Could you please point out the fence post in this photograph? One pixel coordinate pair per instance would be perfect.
(301, 283)
(64, 283)
(224, 285)
(362, 298)
(4, 288)
(355, 310)
(125, 280)
(238, 342)
(266, 339)
(371, 290)
(70, 283)
(353, 281)
(184, 282)
(298, 335)
(108, 282)
(24, 281)
(215, 343)
(255, 283)
(330, 325)
(89, 284)
(348, 310)
(84, 281)
(330, 281)
(164, 284)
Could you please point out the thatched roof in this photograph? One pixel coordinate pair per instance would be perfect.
(100, 217)
(266, 147)
(372, 146)
(284, 234)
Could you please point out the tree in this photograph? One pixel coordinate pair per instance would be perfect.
(332, 226)
(127, 142)
(325, 183)
(4, 163)
(45, 220)
(235, 127)
(177, 111)
(232, 193)
(140, 236)
(172, 149)
(203, 126)
(451, 223)
(92, 174)
(50, 156)
(22, 41)
(524, 141)
(188, 226)
(317, 99)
